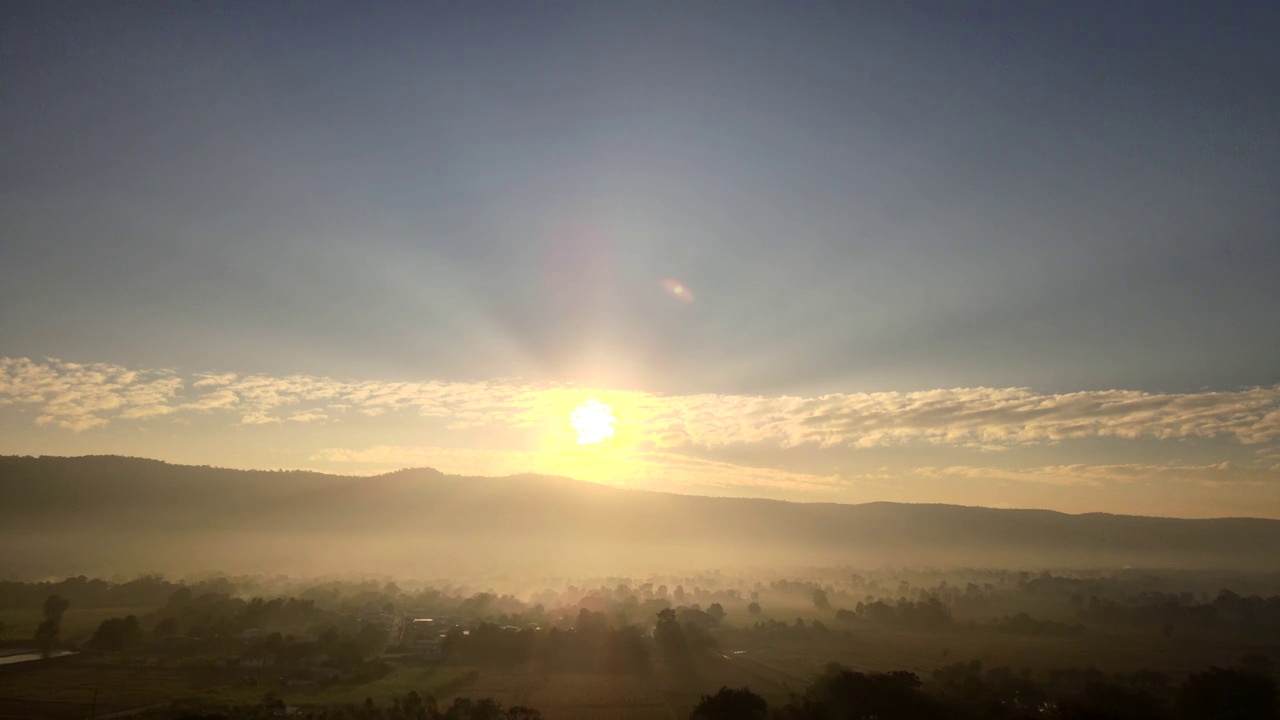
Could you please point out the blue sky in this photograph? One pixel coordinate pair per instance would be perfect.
(1063, 198)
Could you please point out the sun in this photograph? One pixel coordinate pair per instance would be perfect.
(594, 422)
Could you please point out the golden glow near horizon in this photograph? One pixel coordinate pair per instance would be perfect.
(593, 421)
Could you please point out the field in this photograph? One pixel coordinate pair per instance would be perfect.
(77, 623)
(772, 664)
(424, 679)
(68, 688)
(77, 683)
(574, 696)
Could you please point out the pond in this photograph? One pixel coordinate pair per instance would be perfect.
(21, 656)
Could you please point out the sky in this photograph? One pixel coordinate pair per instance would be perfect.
(995, 253)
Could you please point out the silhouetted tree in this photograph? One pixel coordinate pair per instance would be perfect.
(1100, 699)
(670, 636)
(1223, 694)
(412, 705)
(468, 709)
(716, 610)
(754, 608)
(842, 693)
(47, 632)
(731, 704)
(820, 600)
(115, 634)
(168, 627)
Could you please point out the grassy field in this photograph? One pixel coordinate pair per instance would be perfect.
(77, 623)
(566, 696)
(576, 696)
(508, 688)
(123, 686)
(425, 680)
(77, 682)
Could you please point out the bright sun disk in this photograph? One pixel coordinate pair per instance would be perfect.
(594, 422)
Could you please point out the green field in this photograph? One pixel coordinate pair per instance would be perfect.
(77, 623)
(122, 686)
(577, 696)
(424, 679)
(115, 686)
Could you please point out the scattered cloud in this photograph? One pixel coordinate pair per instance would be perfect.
(83, 396)
(78, 397)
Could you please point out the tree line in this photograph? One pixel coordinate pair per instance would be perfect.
(965, 692)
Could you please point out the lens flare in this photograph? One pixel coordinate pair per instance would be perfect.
(594, 421)
(677, 290)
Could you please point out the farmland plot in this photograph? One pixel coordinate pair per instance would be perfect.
(575, 696)
(594, 689)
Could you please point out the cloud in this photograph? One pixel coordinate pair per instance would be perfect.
(213, 379)
(73, 423)
(79, 397)
(83, 396)
(145, 411)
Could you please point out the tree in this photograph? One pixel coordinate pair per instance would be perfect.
(412, 706)
(468, 709)
(1222, 694)
(731, 704)
(716, 610)
(114, 634)
(820, 600)
(47, 633)
(670, 636)
(371, 638)
(168, 627)
(754, 608)
(842, 693)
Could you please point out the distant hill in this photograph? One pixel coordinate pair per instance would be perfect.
(126, 515)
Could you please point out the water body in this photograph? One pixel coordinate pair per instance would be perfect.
(27, 656)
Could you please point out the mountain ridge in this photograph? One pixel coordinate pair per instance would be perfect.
(124, 513)
(427, 470)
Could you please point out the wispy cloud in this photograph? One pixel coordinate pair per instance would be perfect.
(83, 396)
